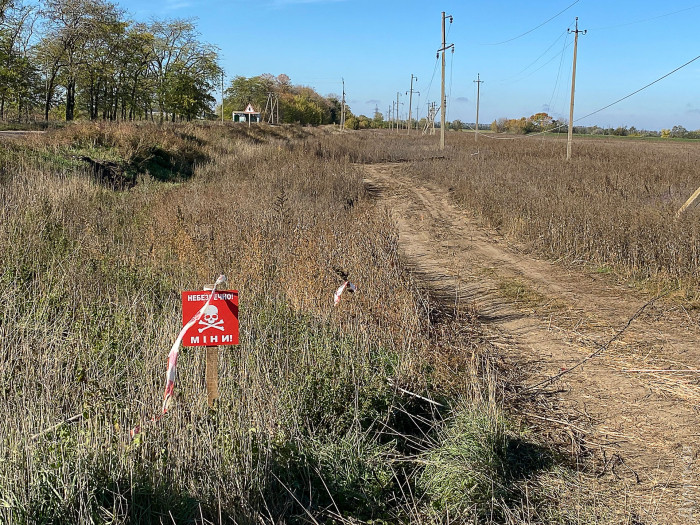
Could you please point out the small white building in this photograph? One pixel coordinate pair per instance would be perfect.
(247, 115)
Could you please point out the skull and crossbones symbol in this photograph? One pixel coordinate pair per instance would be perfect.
(211, 319)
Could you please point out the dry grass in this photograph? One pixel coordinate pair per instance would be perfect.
(612, 206)
(311, 425)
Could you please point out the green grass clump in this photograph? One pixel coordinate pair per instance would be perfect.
(475, 468)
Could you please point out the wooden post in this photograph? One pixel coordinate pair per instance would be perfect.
(212, 374)
(688, 203)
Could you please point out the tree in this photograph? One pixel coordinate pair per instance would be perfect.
(244, 91)
(542, 121)
(378, 120)
(499, 125)
(135, 57)
(457, 125)
(19, 79)
(678, 132)
(74, 26)
(188, 92)
(177, 51)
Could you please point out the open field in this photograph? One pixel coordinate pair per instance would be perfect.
(102, 225)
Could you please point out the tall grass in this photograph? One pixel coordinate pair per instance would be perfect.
(309, 426)
(612, 205)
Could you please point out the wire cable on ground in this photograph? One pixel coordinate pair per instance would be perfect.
(603, 347)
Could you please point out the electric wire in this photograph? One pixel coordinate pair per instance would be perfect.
(604, 107)
(432, 77)
(646, 19)
(564, 34)
(548, 61)
(534, 28)
(640, 89)
(556, 82)
(449, 92)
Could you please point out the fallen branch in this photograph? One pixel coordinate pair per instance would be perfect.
(57, 426)
(404, 391)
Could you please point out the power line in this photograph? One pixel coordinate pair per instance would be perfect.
(437, 59)
(563, 34)
(647, 19)
(452, 62)
(640, 89)
(513, 79)
(534, 28)
(573, 87)
(604, 107)
(556, 82)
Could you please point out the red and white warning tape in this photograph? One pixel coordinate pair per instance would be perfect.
(347, 285)
(172, 357)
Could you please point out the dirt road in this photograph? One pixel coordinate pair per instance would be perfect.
(641, 426)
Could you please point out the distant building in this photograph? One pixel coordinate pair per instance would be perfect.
(247, 115)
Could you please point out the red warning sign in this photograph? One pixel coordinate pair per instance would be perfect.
(219, 324)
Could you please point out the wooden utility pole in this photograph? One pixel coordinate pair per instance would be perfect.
(342, 108)
(397, 111)
(478, 85)
(443, 102)
(573, 87)
(410, 103)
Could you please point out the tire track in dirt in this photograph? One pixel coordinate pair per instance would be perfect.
(546, 318)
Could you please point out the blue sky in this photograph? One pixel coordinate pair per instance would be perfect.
(524, 62)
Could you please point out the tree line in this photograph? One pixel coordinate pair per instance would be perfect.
(540, 122)
(86, 58)
(68, 59)
(275, 96)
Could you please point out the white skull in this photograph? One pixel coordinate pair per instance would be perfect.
(211, 314)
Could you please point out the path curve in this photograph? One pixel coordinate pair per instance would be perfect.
(642, 426)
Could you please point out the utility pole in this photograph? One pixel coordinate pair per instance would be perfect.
(478, 85)
(222, 96)
(430, 119)
(393, 113)
(443, 102)
(573, 87)
(272, 108)
(342, 109)
(410, 103)
(397, 111)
